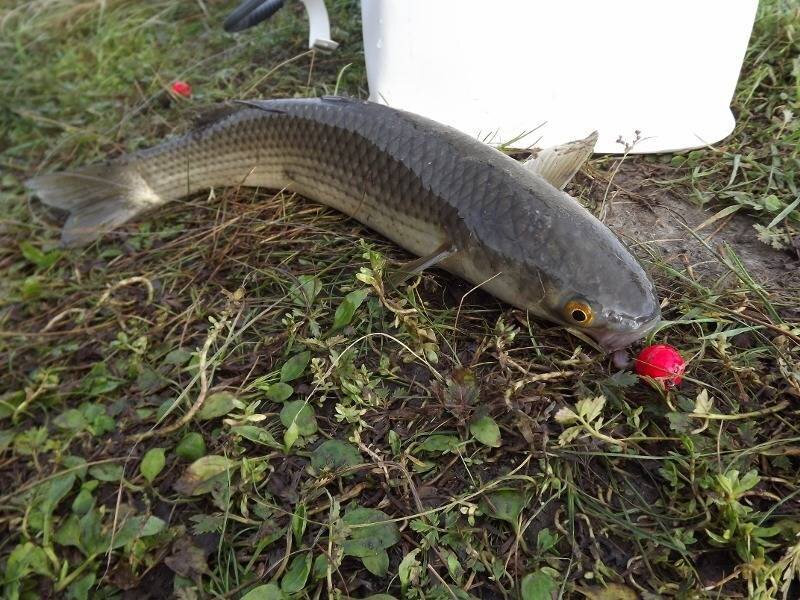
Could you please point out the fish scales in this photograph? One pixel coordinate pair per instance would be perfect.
(419, 183)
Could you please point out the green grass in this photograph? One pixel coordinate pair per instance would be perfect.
(224, 396)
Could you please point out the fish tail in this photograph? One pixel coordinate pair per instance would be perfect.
(98, 198)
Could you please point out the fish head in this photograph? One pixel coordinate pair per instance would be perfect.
(612, 326)
(615, 310)
(590, 282)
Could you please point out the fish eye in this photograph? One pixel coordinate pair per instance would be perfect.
(578, 312)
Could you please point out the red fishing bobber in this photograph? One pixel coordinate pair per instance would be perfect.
(661, 362)
(181, 88)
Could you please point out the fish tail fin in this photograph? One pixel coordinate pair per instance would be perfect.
(98, 198)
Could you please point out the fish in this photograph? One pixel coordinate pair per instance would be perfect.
(448, 198)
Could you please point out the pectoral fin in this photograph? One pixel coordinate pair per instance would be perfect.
(418, 265)
(559, 164)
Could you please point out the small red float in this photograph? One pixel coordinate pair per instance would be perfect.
(662, 362)
(181, 88)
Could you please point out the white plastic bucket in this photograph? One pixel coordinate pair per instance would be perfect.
(554, 71)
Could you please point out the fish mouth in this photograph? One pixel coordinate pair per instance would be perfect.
(611, 341)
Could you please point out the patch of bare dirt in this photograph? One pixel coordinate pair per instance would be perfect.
(644, 213)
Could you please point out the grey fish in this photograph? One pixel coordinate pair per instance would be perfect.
(440, 194)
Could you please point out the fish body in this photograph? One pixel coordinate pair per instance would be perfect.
(429, 188)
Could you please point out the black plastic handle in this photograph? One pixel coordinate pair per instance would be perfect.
(250, 13)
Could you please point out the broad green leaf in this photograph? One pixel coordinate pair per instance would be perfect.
(106, 472)
(152, 464)
(410, 569)
(71, 419)
(505, 505)
(290, 436)
(538, 586)
(26, 558)
(294, 367)
(748, 481)
(41, 259)
(279, 392)
(377, 564)
(370, 532)
(269, 591)
(216, 405)
(256, 434)
(191, 447)
(545, 540)
(394, 442)
(347, 309)
(150, 381)
(178, 357)
(32, 253)
(486, 431)
(57, 489)
(772, 203)
(98, 421)
(333, 455)
(304, 292)
(69, 533)
(137, 527)
(201, 476)
(152, 526)
(31, 440)
(296, 575)
(765, 532)
(99, 381)
(454, 568)
(79, 590)
(76, 464)
(299, 522)
(84, 501)
(92, 539)
(320, 568)
(301, 413)
(31, 288)
(9, 402)
(439, 443)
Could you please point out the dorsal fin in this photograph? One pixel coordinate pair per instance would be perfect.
(215, 113)
(558, 164)
(260, 105)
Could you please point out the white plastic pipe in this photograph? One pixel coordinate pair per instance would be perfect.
(500, 69)
(319, 27)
